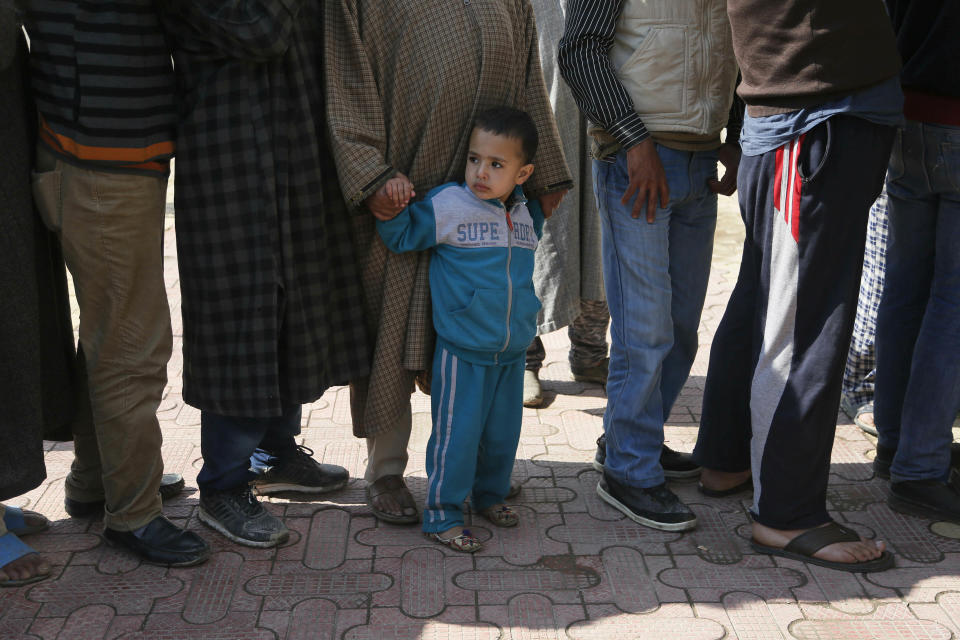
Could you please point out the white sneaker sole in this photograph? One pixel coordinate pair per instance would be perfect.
(214, 524)
(653, 524)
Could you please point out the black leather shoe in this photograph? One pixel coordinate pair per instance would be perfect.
(884, 458)
(676, 464)
(931, 499)
(171, 485)
(162, 543)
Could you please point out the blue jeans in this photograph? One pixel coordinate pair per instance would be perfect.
(918, 323)
(655, 277)
(236, 449)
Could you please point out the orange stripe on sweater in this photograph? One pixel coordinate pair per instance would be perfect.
(136, 157)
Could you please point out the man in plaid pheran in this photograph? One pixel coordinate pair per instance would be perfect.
(271, 300)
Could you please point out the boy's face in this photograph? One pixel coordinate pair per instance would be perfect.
(495, 165)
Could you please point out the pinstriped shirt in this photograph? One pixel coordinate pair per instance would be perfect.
(103, 82)
(584, 61)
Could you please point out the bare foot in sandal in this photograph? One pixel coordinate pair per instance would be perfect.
(851, 552)
(20, 564)
(391, 501)
(25, 568)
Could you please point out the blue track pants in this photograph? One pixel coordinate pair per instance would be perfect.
(477, 410)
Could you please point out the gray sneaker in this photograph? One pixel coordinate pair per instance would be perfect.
(656, 507)
(238, 515)
(298, 471)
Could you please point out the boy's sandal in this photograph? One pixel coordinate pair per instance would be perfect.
(464, 542)
(15, 520)
(393, 486)
(501, 515)
(809, 542)
(12, 548)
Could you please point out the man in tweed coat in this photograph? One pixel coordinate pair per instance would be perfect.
(271, 301)
(404, 80)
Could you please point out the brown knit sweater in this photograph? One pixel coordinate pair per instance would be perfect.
(801, 53)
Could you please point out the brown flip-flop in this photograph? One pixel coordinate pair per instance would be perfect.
(395, 486)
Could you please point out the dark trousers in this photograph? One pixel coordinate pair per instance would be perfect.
(773, 384)
(587, 334)
(235, 449)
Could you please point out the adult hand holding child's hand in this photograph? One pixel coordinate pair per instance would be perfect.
(391, 198)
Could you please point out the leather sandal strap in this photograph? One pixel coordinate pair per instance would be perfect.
(809, 542)
(396, 488)
(386, 484)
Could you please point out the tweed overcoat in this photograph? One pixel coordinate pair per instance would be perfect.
(404, 80)
(272, 306)
(568, 260)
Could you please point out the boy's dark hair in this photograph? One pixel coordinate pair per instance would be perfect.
(512, 123)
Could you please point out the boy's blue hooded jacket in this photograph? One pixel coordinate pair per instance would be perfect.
(481, 268)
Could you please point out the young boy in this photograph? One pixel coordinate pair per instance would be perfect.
(483, 234)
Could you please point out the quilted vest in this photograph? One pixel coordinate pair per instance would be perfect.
(675, 59)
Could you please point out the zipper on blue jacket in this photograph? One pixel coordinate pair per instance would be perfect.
(517, 202)
(506, 342)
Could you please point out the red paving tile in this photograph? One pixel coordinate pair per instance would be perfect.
(574, 569)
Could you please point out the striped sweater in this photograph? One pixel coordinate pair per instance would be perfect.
(103, 83)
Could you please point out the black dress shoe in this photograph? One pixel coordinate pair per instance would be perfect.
(676, 464)
(884, 458)
(171, 484)
(163, 543)
(932, 499)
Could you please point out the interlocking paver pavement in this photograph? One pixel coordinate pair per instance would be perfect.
(574, 569)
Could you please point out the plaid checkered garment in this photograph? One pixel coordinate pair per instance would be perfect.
(404, 80)
(858, 376)
(272, 305)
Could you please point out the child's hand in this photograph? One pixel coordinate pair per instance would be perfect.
(400, 190)
(391, 198)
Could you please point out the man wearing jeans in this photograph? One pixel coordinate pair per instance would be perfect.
(656, 79)
(918, 323)
(104, 88)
